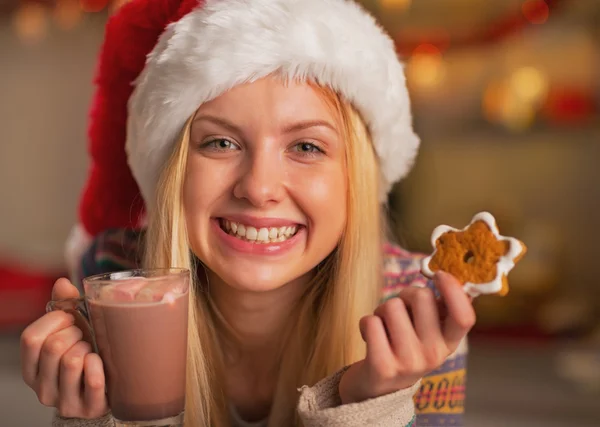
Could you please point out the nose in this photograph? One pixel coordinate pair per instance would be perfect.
(260, 181)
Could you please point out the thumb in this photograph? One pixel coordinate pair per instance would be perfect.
(64, 289)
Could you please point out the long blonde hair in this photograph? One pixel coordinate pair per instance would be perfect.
(345, 288)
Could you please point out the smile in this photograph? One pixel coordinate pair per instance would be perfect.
(264, 235)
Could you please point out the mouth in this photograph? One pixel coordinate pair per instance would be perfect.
(262, 235)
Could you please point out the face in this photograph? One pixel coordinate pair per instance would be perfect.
(265, 188)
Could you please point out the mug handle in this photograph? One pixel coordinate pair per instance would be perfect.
(78, 308)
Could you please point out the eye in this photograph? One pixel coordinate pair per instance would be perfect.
(220, 144)
(307, 148)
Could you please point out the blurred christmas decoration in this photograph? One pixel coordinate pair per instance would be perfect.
(529, 85)
(31, 22)
(67, 14)
(93, 5)
(570, 106)
(531, 12)
(23, 293)
(31, 17)
(425, 68)
(536, 11)
(395, 4)
(515, 100)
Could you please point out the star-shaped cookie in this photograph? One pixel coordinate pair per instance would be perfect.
(478, 256)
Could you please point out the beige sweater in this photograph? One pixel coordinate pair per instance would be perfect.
(320, 406)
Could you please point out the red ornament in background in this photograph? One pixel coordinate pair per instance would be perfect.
(569, 106)
(531, 12)
(24, 292)
(93, 5)
(536, 11)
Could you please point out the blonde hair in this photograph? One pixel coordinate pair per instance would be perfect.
(345, 288)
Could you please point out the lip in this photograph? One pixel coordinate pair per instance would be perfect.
(239, 245)
(257, 222)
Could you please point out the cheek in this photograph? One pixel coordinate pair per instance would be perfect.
(199, 194)
(323, 199)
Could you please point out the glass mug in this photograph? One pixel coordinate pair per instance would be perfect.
(137, 322)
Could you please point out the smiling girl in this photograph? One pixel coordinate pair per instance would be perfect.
(263, 137)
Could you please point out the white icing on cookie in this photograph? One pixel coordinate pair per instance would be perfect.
(504, 265)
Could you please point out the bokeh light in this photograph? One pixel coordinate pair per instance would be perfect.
(67, 14)
(515, 100)
(529, 84)
(536, 11)
(395, 4)
(31, 22)
(426, 68)
(93, 5)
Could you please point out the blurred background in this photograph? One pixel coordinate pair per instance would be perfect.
(505, 95)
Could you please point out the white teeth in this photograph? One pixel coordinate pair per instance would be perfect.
(241, 230)
(262, 235)
(251, 233)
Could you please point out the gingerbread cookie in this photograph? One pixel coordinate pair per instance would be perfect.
(478, 256)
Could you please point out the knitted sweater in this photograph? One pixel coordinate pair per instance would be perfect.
(437, 400)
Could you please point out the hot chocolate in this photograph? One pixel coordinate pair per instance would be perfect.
(143, 346)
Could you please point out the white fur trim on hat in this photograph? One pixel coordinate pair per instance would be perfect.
(225, 43)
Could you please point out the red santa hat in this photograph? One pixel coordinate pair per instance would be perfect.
(161, 59)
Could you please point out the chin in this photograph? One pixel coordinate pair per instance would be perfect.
(258, 278)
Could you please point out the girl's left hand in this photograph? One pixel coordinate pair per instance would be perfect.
(408, 337)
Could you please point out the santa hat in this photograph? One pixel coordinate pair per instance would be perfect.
(161, 59)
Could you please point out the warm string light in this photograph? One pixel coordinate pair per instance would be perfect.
(92, 6)
(67, 14)
(395, 4)
(515, 100)
(31, 19)
(426, 68)
(536, 11)
(31, 22)
(501, 28)
(529, 85)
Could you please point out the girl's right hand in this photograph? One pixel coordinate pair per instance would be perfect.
(60, 367)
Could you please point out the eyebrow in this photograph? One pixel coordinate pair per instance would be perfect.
(309, 124)
(288, 129)
(218, 121)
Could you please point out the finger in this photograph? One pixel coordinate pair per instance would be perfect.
(94, 384)
(70, 387)
(55, 346)
(379, 352)
(402, 336)
(64, 289)
(461, 315)
(34, 336)
(423, 306)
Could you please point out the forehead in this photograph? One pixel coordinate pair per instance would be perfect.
(276, 100)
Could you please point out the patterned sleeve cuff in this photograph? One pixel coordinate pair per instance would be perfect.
(320, 406)
(105, 421)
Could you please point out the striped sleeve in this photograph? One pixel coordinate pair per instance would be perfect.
(440, 399)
